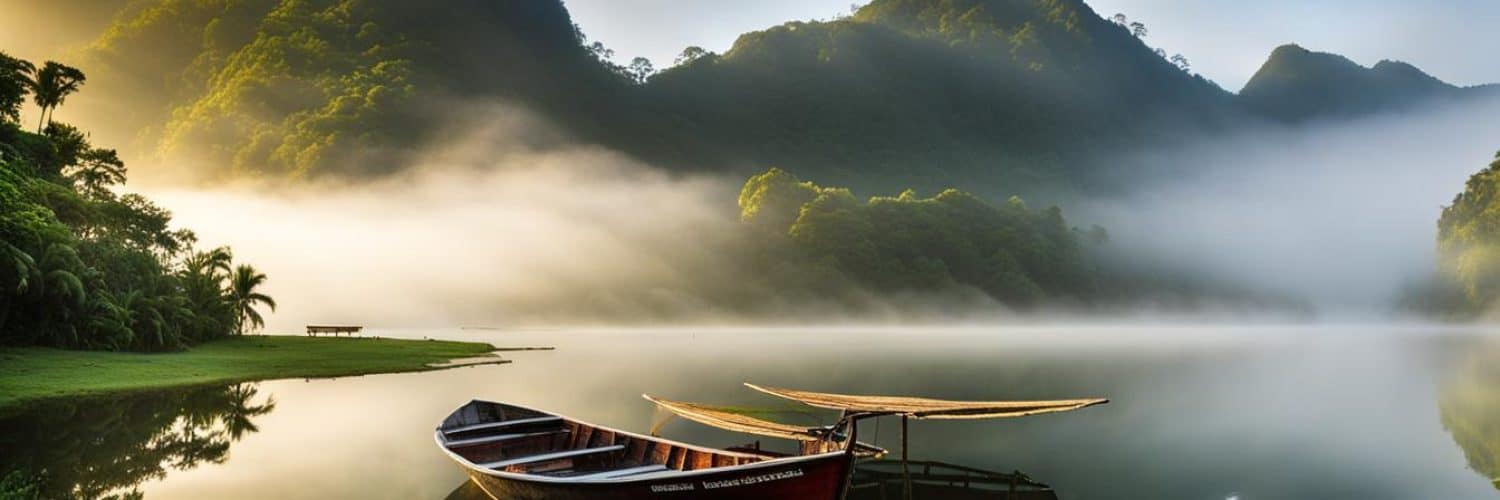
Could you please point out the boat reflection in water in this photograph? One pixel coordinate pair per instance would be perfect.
(883, 480)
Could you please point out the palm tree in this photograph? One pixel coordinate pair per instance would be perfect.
(204, 291)
(213, 263)
(243, 298)
(56, 286)
(98, 169)
(15, 83)
(56, 273)
(16, 267)
(54, 83)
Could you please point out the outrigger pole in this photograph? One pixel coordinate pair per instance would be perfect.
(860, 407)
(855, 408)
(905, 471)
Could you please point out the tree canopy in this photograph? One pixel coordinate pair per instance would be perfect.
(1016, 255)
(84, 267)
(1468, 240)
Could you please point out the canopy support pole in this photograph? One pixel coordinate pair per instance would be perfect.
(905, 471)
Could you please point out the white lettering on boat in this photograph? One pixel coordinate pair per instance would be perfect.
(744, 481)
(662, 488)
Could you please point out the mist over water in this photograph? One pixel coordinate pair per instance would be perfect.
(486, 231)
(509, 223)
(1342, 215)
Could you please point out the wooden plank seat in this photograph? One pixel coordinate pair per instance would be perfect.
(611, 474)
(548, 457)
(460, 443)
(500, 425)
(314, 330)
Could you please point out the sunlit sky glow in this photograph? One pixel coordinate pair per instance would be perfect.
(1226, 40)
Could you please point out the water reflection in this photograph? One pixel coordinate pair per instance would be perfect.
(884, 480)
(105, 447)
(1198, 413)
(1470, 409)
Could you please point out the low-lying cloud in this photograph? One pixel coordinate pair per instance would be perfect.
(1342, 215)
(510, 226)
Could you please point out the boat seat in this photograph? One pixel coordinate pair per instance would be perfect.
(500, 425)
(460, 443)
(610, 474)
(548, 457)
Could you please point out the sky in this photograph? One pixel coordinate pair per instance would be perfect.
(1226, 40)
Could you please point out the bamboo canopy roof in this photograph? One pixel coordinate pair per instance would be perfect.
(728, 420)
(928, 408)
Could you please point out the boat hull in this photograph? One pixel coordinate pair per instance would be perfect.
(817, 478)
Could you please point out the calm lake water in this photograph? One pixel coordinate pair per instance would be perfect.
(1196, 413)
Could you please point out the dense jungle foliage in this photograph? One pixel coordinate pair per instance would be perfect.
(1016, 255)
(84, 267)
(1469, 241)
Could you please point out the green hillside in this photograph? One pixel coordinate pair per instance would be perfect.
(1002, 91)
(1002, 96)
(1297, 85)
(293, 88)
(994, 92)
(1469, 239)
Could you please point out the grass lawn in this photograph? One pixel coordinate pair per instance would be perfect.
(35, 373)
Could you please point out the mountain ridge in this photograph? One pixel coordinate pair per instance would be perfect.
(1298, 85)
(1004, 96)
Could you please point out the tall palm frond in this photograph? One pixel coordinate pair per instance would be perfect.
(244, 298)
(18, 265)
(53, 84)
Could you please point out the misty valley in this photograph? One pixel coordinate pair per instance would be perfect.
(260, 248)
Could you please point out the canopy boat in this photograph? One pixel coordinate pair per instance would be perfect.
(518, 453)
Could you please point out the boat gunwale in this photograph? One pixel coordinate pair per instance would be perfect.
(671, 473)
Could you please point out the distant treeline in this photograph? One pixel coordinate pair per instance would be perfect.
(1019, 257)
(84, 267)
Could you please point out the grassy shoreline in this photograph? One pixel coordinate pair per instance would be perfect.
(30, 374)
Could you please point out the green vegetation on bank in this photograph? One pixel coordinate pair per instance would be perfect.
(83, 267)
(1013, 254)
(37, 373)
(1468, 242)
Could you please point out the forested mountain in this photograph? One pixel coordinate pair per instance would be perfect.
(932, 92)
(1297, 85)
(290, 88)
(1002, 96)
(997, 91)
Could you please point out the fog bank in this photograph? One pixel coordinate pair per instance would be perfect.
(509, 225)
(1342, 214)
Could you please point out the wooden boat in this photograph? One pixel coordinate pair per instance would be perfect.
(513, 452)
(518, 453)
